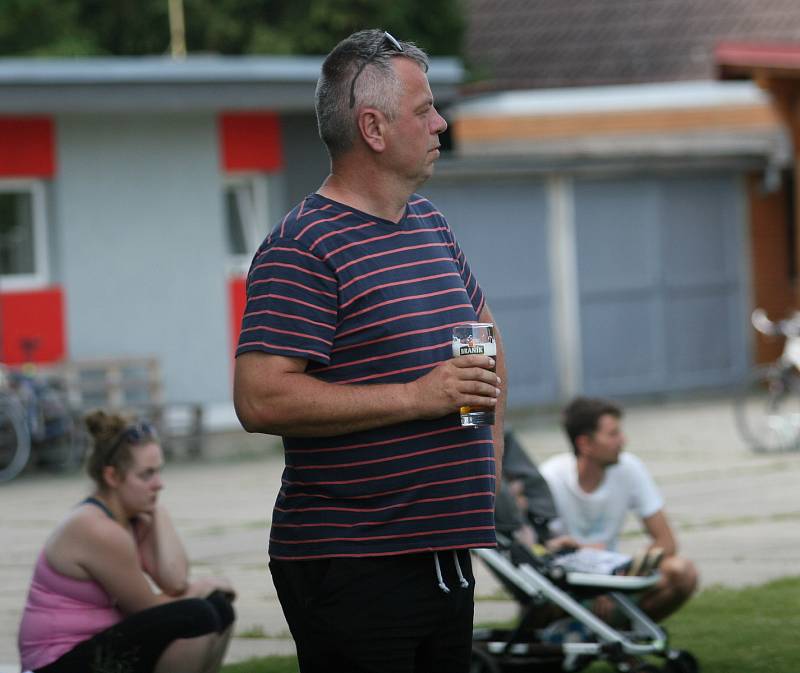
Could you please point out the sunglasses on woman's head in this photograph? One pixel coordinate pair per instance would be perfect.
(136, 433)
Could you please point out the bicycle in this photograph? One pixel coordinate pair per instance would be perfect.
(15, 440)
(35, 421)
(767, 408)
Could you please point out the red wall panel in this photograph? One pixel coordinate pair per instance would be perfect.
(32, 326)
(251, 141)
(27, 147)
(237, 298)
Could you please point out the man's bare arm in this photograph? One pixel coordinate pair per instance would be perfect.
(657, 526)
(274, 395)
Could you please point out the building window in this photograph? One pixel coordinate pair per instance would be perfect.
(23, 235)
(246, 219)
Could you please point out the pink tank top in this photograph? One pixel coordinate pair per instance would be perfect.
(60, 613)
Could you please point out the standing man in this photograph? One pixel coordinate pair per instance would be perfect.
(595, 488)
(345, 352)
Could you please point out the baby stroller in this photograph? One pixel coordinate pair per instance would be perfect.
(544, 583)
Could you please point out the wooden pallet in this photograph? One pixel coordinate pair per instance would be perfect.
(134, 386)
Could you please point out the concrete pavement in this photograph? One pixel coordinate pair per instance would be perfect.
(736, 513)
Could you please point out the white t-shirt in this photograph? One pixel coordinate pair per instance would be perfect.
(598, 517)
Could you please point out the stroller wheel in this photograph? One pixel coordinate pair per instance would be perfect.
(681, 661)
(482, 662)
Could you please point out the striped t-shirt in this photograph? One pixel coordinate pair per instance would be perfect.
(370, 301)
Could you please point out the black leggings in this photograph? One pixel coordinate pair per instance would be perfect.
(135, 644)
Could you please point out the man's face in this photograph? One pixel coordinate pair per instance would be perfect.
(414, 134)
(605, 444)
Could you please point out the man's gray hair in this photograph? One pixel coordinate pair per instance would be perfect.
(377, 84)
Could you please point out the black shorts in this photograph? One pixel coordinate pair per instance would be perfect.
(135, 644)
(378, 614)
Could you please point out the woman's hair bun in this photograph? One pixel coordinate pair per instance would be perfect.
(103, 427)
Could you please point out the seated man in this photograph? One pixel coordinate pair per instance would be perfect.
(596, 487)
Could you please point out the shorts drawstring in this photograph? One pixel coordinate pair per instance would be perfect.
(440, 580)
(462, 580)
(442, 585)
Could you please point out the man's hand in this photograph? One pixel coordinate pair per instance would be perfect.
(467, 380)
(562, 543)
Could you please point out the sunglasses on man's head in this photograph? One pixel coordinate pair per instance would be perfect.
(393, 44)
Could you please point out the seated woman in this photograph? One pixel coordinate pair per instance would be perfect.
(91, 606)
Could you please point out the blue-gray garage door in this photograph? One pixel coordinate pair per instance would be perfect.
(661, 282)
(502, 228)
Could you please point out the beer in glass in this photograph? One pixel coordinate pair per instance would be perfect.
(475, 338)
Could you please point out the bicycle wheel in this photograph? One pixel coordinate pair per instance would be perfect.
(65, 447)
(768, 409)
(15, 442)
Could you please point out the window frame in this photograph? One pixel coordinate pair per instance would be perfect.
(41, 262)
(256, 227)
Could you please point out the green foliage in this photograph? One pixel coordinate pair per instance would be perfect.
(137, 27)
(27, 26)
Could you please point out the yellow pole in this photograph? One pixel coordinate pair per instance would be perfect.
(177, 31)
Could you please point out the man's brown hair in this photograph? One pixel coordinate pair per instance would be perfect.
(582, 415)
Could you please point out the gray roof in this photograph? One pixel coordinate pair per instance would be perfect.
(586, 150)
(157, 84)
(554, 43)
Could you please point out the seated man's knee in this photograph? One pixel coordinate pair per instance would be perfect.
(680, 574)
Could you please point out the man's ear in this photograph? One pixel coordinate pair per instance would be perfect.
(372, 127)
(582, 443)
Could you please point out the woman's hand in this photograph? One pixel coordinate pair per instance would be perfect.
(161, 551)
(204, 586)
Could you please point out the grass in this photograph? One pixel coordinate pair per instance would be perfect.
(752, 630)
(255, 632)
(264, 665)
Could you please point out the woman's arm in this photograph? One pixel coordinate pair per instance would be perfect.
(109, 554)
(161, 551)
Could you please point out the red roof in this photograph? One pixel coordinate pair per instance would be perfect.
(740, 60)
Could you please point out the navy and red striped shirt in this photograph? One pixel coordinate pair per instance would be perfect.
(370, 301)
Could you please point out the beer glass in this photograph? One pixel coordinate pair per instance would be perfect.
(475, 338)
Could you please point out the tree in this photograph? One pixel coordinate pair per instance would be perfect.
(138, 27)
